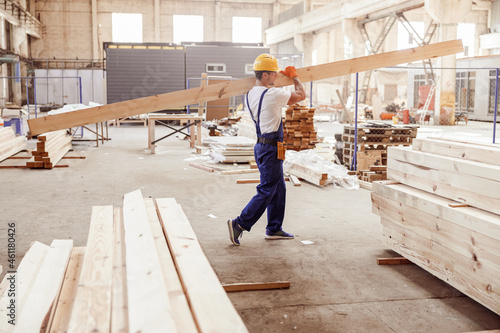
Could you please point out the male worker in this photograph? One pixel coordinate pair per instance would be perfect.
(265, 103)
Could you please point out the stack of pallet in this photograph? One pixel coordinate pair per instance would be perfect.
(373, 142)
(298, 128)
(50, 149)
(143, 270)
(442, 212)
(9, 143)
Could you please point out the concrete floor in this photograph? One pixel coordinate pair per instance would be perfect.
(336, 284)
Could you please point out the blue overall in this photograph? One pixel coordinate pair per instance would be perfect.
(271, 192)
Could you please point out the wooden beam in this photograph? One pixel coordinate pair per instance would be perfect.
(256, 286)
(46, 287)
(234, 88)
(92, 304)
(64, 305)
(148, 304)
(210, 305)
(247, 181)
(238, 172)
(393, 261)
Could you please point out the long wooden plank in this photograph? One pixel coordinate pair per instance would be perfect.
(52, 135)
(53, 146)
(119, 306)
(183, 318)
(46, 287)
(445, 265)
(6, 133)
(212, 309)
(237, 87)
(52, 161)
(256, 286)
(148, 304)
(64, 304)
(92, 304)
(25, 277)
(467, 151)
(12, 147)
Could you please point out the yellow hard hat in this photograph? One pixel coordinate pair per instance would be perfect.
(266, 62)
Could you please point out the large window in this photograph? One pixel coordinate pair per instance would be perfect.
(247, 29)
(188, 28)
(465, 32)
(465, 90)
(126, 28)
(493, 90)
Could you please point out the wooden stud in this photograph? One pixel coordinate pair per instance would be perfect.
(237, 87)
(256, 286)
(393, 261)
(247, 181)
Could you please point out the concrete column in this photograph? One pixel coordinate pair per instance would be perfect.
(95, 39)
(217, 20)
(157, 21)
(354, 42)
(448, 13)
(20, 46)
(307, 6)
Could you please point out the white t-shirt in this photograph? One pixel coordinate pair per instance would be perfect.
(270, 115)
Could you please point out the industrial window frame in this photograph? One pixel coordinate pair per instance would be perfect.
(216, 70)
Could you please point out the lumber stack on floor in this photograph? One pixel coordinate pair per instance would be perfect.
(9, 143)
(142, 270)
(307, 173)
(372, 144)
(444, 213)
(231, 149)
(50, 149)
(298, 128)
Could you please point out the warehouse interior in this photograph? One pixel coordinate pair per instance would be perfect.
(126, 146)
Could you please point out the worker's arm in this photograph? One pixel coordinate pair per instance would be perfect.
(300, 93)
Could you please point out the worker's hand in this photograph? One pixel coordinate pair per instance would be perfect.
(290, 72)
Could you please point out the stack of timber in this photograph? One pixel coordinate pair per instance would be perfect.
(231, 149)
(9, 143)
(307, 173)
(142, 270)
(50, 149)
(372, 145)
(441, 210)
(376, 172)
(298, 128)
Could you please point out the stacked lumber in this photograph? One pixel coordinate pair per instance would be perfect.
(298, 128)
(372, 144)
(9, 143)
(307, 173)
(50, 149)
(142, 270)
(444, 214)
(375, 172)
(231, 149)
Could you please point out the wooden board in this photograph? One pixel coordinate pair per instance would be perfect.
(27, 272)
(46, 287)
(92, 304)
(393, 261)
(50, 136)
(64, 305)
(52, 161)
(247, 181)
(234, 88)
(468, 151)
(219, 108)
(119, 305)
(256, 286)
(183, 318)
(148, 304)
(211, 308)
(12, 147)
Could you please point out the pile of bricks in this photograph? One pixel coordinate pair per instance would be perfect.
(298, 127)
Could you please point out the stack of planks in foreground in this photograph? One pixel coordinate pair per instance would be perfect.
(50, 149)
(444, 214)
(298, 128)
(373, 142)
(143, 270)
(9, 143)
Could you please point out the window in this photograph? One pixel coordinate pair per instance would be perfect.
(408, 40)
(126, 28)
(465, 90)
(188, 28)
(465, 32)
(249, 69)
(493, 85)
(215, 68)
(247, 29)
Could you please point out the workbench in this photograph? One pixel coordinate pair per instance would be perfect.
(163, 118)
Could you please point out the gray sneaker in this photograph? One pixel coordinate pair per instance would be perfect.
(278, 235)
(235, 232)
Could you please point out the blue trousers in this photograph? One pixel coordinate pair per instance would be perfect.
(271, 192)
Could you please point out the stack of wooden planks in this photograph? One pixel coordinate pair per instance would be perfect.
(231, 149)
(307, 173)
(298, 128)
(9, 143)
(50, 149)
(142, 270)
(442, 212)
(373, 142)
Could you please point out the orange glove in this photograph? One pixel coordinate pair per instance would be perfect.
(290, 72)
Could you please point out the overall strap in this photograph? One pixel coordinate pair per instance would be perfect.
(257, 122)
